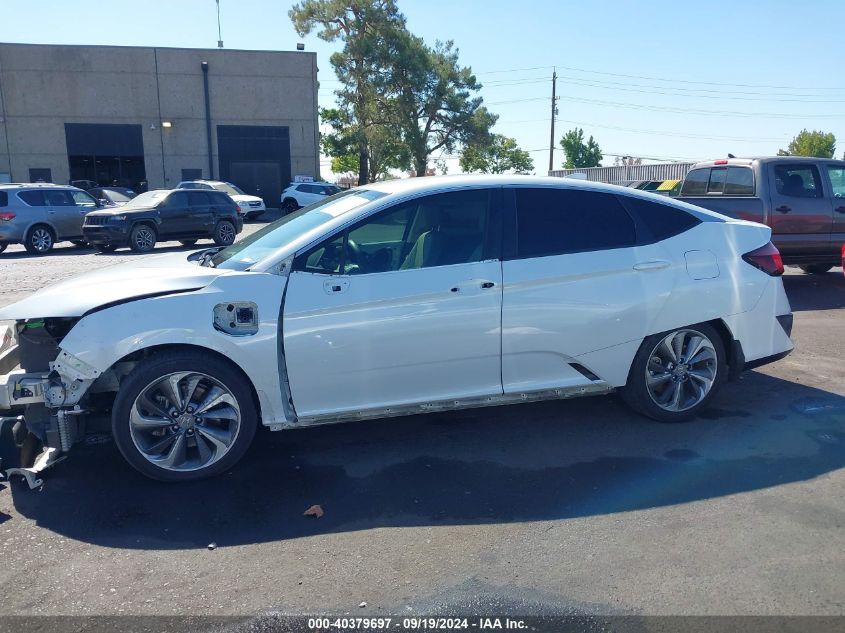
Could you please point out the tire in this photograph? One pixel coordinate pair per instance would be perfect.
(224, 233)
(289, 206)
(697, 385)
(187, 242)
(142, 238)
(79, 243)
(39, 240)
(148, 435)
(3, 246)
(816, 269)
(105, 248)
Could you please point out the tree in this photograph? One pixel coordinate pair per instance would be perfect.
(363, 26)
(815, 143)
(385, 151)
(578, 153)
(500, 155)
(438, 108)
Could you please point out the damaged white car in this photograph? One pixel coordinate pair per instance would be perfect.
(396, 298)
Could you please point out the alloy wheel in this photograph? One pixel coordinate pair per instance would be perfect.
(144, 239)
(184, 421)
(681, 370)
(41, 240)
(226, 233)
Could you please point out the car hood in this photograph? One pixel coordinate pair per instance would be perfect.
(245, 198)
(74, 297)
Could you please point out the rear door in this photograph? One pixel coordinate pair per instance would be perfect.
(575, 281)
(201, 218)
(402, 309)
(35, 210)
(801, 213)
(175, 214)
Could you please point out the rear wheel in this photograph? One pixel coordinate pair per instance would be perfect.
(142, 239)
(675, 374)
(187, 242)
(816, 269)
(224, 233)
(182, 416)
(39, 240)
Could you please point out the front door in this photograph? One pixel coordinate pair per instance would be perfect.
(801, 214)
(836, 176)
(63, 213)
(175, 214)
(402, 309)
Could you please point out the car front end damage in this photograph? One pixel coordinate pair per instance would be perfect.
(42, 389)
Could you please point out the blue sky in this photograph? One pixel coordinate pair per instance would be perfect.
(653, 79)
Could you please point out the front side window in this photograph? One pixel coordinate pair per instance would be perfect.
(557, 221)
(837, 181)
(58, 199)
(83, 199)
(437, 230)
(798, 181)
(695, 184)
(178, 200)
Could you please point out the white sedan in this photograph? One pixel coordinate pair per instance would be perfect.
(397, 298)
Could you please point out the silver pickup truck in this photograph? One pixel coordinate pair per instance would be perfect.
(801, 199)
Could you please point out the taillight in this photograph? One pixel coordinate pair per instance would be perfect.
(767, 258)
(7, 216)
(843, 258)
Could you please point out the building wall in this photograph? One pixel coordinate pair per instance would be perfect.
(44, 87)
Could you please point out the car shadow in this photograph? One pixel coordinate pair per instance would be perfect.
(60, 251)
(533, 462)
(816, 292)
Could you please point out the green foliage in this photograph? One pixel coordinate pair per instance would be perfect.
(498, 156)
(577, 152)
(439, 107)
(815, 143)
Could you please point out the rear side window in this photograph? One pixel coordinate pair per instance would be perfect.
(740, 182)
(198, 198)
(659, 221)
(557, 221)
(219, 198)
(4, 199)
(695, 184)
(32, 198)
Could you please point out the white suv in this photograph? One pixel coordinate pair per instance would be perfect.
(301, 194)
(248, 206)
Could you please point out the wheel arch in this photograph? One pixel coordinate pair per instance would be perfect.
(146, 352)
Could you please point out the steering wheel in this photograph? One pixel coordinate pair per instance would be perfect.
(353, 252)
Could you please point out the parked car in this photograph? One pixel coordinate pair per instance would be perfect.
(38, 215)
(661, 187)
(112, 196)
(248, 206)
(301, 194)
(801, 199)
(403, 297)
(164, 215)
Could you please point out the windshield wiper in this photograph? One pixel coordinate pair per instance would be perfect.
(204, 257)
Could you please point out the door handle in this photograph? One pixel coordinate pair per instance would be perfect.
(487, 284)
(335, 287)
(840, 209)
(657, 264)
(783, 209)
(473, 283)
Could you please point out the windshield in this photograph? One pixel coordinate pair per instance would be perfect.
(117, 196)
(229, 188)
(260, 244)
(148, 199)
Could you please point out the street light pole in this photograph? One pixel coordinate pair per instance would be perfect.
(219, 33)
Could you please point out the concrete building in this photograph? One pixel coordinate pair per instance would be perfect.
(150, 117)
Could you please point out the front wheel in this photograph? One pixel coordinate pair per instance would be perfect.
(142, 239)
(816, 269)
(181, 416)
(676, 374)
(224, 233)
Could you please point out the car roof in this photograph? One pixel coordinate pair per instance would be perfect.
(36, 185)
(746, 161)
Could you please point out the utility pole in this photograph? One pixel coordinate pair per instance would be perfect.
(554, 113)
(219, 32)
